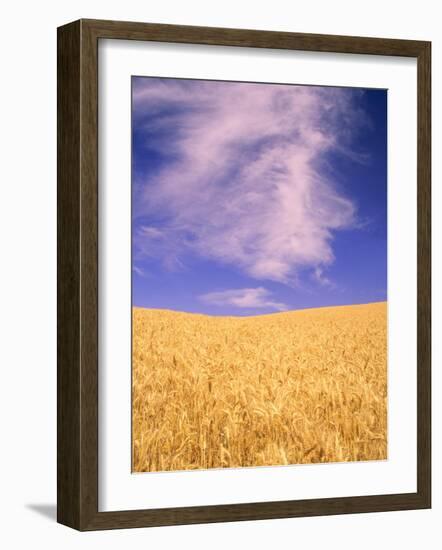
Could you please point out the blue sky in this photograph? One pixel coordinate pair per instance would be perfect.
(253, 198)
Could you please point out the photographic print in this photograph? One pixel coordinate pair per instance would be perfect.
(259, 274)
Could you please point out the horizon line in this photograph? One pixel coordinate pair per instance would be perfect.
(260, 314)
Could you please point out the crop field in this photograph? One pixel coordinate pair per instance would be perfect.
(286, 388)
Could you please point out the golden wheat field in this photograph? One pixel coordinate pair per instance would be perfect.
(286, 388)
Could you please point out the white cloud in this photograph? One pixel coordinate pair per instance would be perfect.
(246, 184)
(319, 277)
(247, 298)
(138, 271)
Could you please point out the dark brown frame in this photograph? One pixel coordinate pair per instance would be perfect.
(77, 224)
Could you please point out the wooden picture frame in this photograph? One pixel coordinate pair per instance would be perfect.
(77, 225)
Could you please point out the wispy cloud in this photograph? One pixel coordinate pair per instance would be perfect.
(246, 298)
(245, 182)
(138, 271)
(323, 280)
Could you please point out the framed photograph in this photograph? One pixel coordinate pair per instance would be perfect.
(243, 275)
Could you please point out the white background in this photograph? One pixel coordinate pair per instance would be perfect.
(28, 276)
(118, 488)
